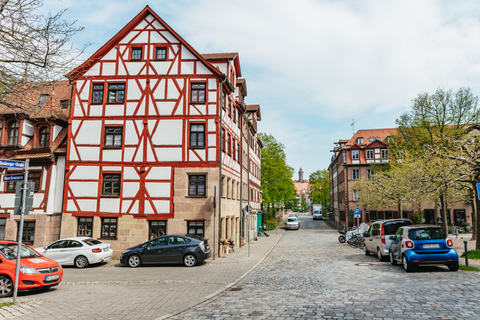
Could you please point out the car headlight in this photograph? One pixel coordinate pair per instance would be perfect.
(28, 270)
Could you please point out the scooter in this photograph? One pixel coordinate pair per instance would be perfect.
(342, 238)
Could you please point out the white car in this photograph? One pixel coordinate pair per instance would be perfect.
(77, 251)
(292, 223)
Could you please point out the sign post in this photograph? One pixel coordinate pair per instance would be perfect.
(247, 210)
(214, 217)
(358, 214)
(478, 190)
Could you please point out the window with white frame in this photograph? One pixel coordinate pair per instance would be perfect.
(355, 174)
(355, 154)
(356, 195)
(369, 154)
(370, 173)
(384, 153)
(359, 140)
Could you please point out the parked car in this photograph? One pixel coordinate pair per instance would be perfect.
(77, 251)
(317, 215)
(36, 271)
(377, 238)
(188, 250)
(294, 215)
(292, 223)
(422, 245)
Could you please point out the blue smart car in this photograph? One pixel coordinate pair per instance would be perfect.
(422, 245)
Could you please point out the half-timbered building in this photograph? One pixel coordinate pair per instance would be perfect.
(33, 125)
(154, 131)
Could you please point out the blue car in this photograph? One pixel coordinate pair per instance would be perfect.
(414, 246)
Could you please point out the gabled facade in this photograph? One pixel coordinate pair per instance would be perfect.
(353, 159)
(155, 127)
(36, 131)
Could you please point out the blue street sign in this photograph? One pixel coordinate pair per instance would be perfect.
(358, 212)
(478, 190)
(13, 177)
(12, 164)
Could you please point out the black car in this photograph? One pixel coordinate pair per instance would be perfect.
(188, 250)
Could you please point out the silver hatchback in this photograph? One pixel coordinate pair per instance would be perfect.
(292, 223)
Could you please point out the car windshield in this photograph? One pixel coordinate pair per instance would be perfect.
(427, 234)
(392, 227)
(92, 242)
(292, 220)
(9, 251)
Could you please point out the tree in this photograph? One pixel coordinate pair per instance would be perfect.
(34, 50)
(277, 184)
(320, 187)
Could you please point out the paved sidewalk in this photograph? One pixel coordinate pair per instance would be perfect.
(459, 245)
(112, 291)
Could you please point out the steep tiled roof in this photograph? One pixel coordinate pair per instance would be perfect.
(369, 133)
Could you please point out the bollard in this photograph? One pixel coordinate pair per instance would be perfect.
(466, 253)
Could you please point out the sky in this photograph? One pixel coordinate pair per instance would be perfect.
(316, 66)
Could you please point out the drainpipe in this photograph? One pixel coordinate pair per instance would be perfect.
(242, 224)
(220, 186)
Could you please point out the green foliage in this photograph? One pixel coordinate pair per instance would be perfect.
(417, 218)
(320, 187)
(277, 184)
(472, 254)
(468, 268)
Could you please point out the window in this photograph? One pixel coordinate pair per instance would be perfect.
(85, 226)
(97, 93)
(109, 228)
(373, 216)
(384, 153)
(116, 93)
(356, 195)
(64, 104)
(355, 154)
(371, 139)
(355, 174)
(196, 185)
(197, 135)
(1, 127)
(389, 139)
(13, 133)
(196, 227)
(44, 139)
(113, 137)
(111, 185)
(198, 93)
(28, 234)
(160, 242)
(43, 98)
(136, 54)
(369, 154)
(359, 140)
(35, 176)
(157, 228)
(161, 54)
(222, 139)
(229, 142)
(370, 173)
(3, 223)
(234, 151)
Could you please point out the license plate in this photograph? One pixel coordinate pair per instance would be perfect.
(431, 246)
(106, 249)
(51, 278)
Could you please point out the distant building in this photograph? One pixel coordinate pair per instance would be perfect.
(303, 188)
(352, 160)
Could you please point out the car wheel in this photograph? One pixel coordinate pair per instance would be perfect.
(454, 266)
(392, 259)
(407, 266)
(379, 255)
(189, 260)
(6, 286)
(341, 239)
(81, 262)
(134, 261)
(367, 253)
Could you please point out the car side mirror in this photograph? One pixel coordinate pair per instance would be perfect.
(392, 238)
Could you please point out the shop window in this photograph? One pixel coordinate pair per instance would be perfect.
(109, 228)
(28, 234)
(157, 228)
(3, 223)
(85, 226)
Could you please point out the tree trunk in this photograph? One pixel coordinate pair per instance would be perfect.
(399, 207)
(444, 213)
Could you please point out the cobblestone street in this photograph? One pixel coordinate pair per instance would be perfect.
(311, 275)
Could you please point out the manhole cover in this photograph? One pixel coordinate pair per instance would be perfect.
(363, 264)
(235, 289)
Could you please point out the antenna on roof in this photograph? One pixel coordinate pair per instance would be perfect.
(353, 126)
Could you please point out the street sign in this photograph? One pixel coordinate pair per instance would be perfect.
(12, 164)
(478, 190)
(18, 198)
(248, 208)
(13, 177)
(358, 212)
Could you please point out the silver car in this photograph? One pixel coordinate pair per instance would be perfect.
(377, 238)
(293, 223)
